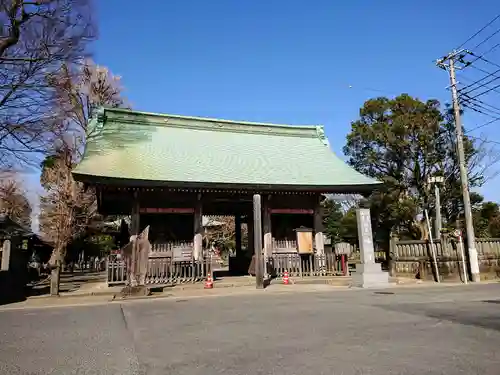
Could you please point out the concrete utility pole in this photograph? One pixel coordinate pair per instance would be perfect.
(448, 63)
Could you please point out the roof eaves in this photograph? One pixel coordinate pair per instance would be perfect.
(351, 188)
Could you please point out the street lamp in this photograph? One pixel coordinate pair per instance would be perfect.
(437, 180)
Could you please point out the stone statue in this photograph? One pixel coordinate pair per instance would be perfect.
(136, 254)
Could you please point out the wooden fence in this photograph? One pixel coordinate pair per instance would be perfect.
(414, 258)
(307, 265)
(161, 270)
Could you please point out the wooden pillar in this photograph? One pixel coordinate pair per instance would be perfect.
(318, 228)
(268, 237)
(198, 229)
(5, 255)
(132, 262)
(237, 234)
(257, 229)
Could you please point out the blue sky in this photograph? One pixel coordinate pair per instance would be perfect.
(285, 61)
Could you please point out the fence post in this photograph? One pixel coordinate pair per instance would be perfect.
(392, 254)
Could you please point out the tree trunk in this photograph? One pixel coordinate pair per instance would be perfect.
(55, 276)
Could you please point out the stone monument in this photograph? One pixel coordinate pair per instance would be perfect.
(136, 255)
(368, 273)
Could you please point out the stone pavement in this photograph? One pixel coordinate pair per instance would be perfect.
(401, 330)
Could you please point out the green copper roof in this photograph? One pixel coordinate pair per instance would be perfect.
(134, 145)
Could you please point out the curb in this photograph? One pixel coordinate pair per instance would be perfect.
(69, 295)
(194, 287)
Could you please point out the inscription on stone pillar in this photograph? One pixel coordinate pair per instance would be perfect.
(368, 273)
(365, 235)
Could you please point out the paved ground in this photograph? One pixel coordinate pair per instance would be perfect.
(437, 330)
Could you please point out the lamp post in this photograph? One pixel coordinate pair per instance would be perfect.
(437, 180)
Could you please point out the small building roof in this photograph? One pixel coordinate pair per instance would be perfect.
(9, 227)
(145, 148)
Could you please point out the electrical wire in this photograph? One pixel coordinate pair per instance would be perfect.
(486, 39)
(483, 59)
(479, 105)
(476, 82)
(478, 32)
(482, 139)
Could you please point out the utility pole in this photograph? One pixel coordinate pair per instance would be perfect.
(448, 63)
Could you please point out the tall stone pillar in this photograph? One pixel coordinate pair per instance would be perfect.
(318, 229)
(5, 255)
(198, 229)
(368, 273)
(319, 241)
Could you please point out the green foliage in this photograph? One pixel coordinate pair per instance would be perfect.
(92, 245)
(486, 218)
(339, 226)
(403, 142)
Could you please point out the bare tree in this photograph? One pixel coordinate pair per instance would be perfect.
(79, 92)
(37, 39)
(67, 208)
(13, 202)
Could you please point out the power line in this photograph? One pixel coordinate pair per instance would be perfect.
(478, 32)
(483, 59)
(478, 107)
(482, 139)
(486, 39)
(479, 110)
(461, 91)
(483, 125)
(487, 91)
(488, 51)
(476, 82)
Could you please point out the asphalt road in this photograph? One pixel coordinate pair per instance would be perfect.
(453, 330)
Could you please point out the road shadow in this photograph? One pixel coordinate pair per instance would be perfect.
(483, 314)
(70, 282)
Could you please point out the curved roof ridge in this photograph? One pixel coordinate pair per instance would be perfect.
(145, 114)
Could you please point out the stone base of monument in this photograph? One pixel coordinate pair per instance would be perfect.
(135, 291)
(370, 275)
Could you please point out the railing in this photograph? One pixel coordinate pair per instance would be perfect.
(162, 269)
(284, 246)
(115, 270)
(306, 265)
(165, 270)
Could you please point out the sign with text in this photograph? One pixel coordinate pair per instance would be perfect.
(291, 211)
(167, 210)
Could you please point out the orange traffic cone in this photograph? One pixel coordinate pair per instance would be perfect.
(285, 278)
(209, 284)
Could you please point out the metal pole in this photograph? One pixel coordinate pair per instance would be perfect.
(438, 223)
(461, 244)
(257, 243)
(433, 251)
(471, 241)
